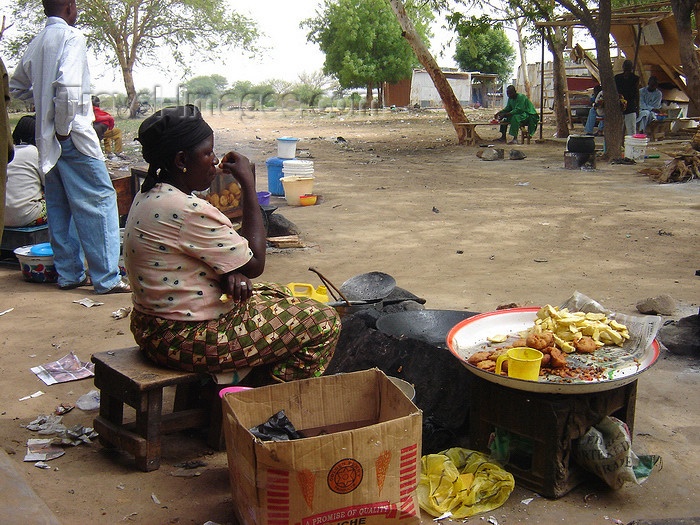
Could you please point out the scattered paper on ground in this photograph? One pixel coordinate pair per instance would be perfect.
(42, 450)
(30, 396)
(68, 368)
(87, 302)
(122, 312)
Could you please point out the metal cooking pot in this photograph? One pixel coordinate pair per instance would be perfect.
(429, 326)
(580, 144)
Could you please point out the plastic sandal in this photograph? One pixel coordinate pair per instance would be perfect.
(121, 287)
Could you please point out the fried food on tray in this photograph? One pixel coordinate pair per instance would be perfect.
(557, 358)
(540, 341)
(585, 345)
(569, 327)
(487, 365)
(478, 357)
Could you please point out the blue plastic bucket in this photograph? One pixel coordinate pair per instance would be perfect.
(274, 175)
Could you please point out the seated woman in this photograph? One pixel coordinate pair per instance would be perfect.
(182, 254)
(24, 197)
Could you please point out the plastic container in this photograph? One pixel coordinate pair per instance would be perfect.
(274, 176)
(636, 147)
(295, 187)
(232, 390)
(286, 147)
(264, 198)
(36, 268)
(405, 387)
(41, 249)
(297, 167)
(308, 200)
(307, 290)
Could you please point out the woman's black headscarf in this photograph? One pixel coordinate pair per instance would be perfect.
(163, 134)
(24, 130)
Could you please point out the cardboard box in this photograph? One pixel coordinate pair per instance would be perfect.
(358, 465)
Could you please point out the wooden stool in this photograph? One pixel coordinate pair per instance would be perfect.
(524, 134)
(545, 426)
(127, 376)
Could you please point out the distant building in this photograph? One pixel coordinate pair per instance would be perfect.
(470, 88)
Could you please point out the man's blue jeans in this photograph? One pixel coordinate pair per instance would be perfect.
(590, 122)
(78, 187)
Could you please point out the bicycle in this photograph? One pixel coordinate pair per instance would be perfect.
(142, 109)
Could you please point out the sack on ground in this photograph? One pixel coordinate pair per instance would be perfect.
(606, 451)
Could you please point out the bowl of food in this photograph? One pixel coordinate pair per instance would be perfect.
(36, 268)
(308, 200)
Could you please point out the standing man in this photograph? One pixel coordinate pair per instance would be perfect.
(649, 103)
(627, 84)
(6, 146)
(519, 111)
(54, 74)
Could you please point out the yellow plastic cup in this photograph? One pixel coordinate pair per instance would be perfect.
(523, 363)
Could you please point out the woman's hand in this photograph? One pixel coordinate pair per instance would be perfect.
(240, 167)
(237, 286)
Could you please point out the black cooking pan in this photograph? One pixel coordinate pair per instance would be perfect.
(429, 326)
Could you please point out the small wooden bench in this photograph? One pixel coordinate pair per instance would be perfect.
(127, 376)
(472, 137)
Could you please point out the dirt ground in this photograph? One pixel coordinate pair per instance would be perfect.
(400, 196)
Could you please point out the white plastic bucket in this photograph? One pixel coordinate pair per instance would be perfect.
(286, 147)
(636, 147)
(295, 187)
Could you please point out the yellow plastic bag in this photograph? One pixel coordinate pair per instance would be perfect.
(463, 482)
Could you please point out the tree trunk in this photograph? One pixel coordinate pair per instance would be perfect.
(613, 114)
(555, 43)
(523, 59)
(452, 106)
(368, 96)
(682, 11)
(130, 91)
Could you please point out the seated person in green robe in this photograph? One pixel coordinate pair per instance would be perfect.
(519, 111)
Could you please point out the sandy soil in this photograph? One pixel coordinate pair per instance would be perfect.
(400, 197)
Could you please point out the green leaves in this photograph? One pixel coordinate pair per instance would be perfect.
(487, 51)
(362, 40)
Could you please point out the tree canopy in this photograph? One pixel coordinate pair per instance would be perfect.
(486, 51)
(362, 41)
(206, 85)
(126, 33)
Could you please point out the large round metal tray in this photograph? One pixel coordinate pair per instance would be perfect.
(470, 335)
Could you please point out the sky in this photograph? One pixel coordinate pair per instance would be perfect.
(288, 53)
